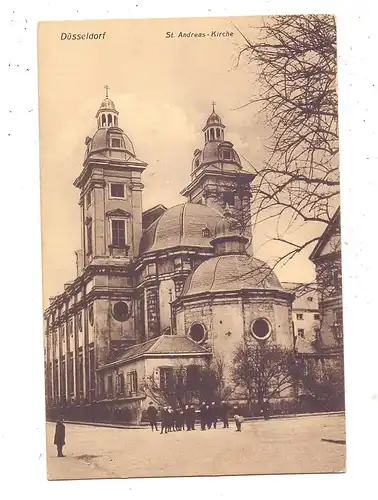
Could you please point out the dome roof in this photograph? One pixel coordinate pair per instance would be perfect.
(229, 273)
(101, 140)
(214, 119)
(213, 153)
(187, 224)
(107, 104)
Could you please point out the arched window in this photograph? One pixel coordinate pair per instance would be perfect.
(116, 121)
(103, 120)
(211, 134)
(218, 133)
(110, 120)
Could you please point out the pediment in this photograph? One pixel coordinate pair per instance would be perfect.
(118, 212)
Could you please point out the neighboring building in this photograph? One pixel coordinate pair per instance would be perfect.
(156, 288)
(327, 259)
(305, 310)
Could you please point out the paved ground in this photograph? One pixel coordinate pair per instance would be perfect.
(288, 445)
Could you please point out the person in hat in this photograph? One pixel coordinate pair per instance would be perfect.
(152, 416)
(192, 417)
(164, 420)
(187, 418)
(213, 415)
(60, 437)
(224, 411)
(266, 409)
(204, 415)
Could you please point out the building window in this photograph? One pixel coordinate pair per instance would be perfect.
(70, 327)
(118, 233)
(229, 198)
(197, 332)
(317, 316)
(102, 386)
(206, 233)
(226, 154)
(132, 382)
(300, 316)
(166, 379)
(120, 384)
(110, 386)
(117, 190)
(116, 143)
(80, 322)
(121, 311)
(92, 370)
(89, 199)
(193, 377)
(89, 238)
(71, 374)
(91, 315)
(261, 329)
(301, 332)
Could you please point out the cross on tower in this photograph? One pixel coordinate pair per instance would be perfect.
(106, 87)
(214, 103)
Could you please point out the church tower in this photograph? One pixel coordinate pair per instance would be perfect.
(217, 178)
(111, 229)
(110, 192)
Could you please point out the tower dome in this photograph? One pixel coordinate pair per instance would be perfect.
(228, 235)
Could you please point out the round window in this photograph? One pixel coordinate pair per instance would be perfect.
(261, 329)
(197, 332)
(90, 315)
(121, 311)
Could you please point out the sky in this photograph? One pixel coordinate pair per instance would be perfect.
(163, 89)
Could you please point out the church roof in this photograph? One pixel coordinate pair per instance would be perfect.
(182, 225)
(332, 228)
(162, 345)
(229, 273)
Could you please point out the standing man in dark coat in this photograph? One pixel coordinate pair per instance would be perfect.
(60, 437)
(204, 415)
(152, 416)
(266, 409)
(187, 418)
(164, 420)
(192, 418)
(224, 410)
(213, 415)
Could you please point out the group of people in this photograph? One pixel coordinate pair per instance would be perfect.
(182, 418)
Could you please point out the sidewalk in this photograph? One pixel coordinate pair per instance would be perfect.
(144, 425)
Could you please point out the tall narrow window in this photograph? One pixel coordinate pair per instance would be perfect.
(110, 386)
(110, 120)
(92, 382)
(118, 233)
(89, 238)
(211, 134)
(70, 374)
(166, 379)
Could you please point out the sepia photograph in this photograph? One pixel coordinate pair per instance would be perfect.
(191, 241)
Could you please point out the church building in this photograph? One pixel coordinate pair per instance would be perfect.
(158, 287)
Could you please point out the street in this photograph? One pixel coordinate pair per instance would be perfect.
(305, 444)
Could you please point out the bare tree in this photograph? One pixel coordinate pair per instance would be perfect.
(263, 371)
(323, 380)
(297, 97)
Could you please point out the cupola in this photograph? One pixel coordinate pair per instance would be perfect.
(229, 237)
